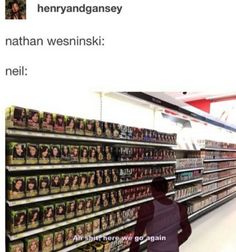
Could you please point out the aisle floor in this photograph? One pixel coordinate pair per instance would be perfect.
(214, 232)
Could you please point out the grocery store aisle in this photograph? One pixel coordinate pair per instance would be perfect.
(215, 231)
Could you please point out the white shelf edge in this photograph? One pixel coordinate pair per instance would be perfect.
(15, 132)
(211, 205)
(216, 180)
(189, 169)
(189, 197)
(218, 160)
(188, 181)
(218, 170)
(90, 165)
(218, 189)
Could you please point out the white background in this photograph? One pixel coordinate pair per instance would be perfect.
(155, 45)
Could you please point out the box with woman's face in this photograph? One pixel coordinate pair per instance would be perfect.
(70, 125)
(69, 235)
(44, 154)
(59, 123)
(89, 127)
(65, 154)
(91, 179)
(44, 184)
(46, 242)
(107, 176)
(75, 181)
(112, 219)
(33, 215)
(16, 187)
(96, 226)
(55, 183)
(92, 154)
(32, 244)
(80, 126)
(83, 180)
(16, 153)
(120, 196)
(60, 211)
(74, 153)
(107, 130)
(114, 197)
(70, 209)
(65, 182)
(17, 246)
(17, 221)
(33, 121)
(80, 207)
(58, 239)
(16, 117)
(116, 130)
(32, 153)
(79, 232)
(48, 214)
(108, 153)
(55, 154)
(105, 199)
(31, 186)
(46, 121)
(84, 154)
(88, 205)
(99, 177)
(97, 202)
(99, 126)
(100, 153)
(104, 222)
(88, 228)
(115, 175)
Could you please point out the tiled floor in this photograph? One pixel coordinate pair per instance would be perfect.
(214, 232)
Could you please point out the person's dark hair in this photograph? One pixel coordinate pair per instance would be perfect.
(160, 184)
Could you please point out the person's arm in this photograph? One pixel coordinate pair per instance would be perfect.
(145, 215)
(185, 225)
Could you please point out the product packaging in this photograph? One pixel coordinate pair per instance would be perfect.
(92, 154)
(16, 117)
(74, 182)
(46, 241)
(83, 180)
(99, 177)
(100, 153)
(99, 126)
(74, 153)
(17, 246)
(65, 182)
(88, 205)
(33, 119)
(96, 226)
(70, 125)
(70, 209)
(17, 221)
(32, 244)
(65, 154)
(32, 153)
(89, 128)
(33, 216)
(107, 129)
(55, 183)
(69, 235)
(44, 154)
(47, 214)
(46, 121)
(31, 186)
(59, 123)
(16, 188)
(58, 239)
(97, 203)
(44, 184)
(16, 153)
(60, 211)
(80, 207)
(84, 154)
(55, 154)
(80, 126)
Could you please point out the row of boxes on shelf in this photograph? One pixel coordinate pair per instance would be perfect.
(199, 203)
(212, 154)
(31, 153)
(214, 144)
(219, 165)
(218, 175)
(214, 186)
(186, 191)
(21, 219)
(17, 117)
(59, 238)
(185, 176)
(31, 186)
(185, 163)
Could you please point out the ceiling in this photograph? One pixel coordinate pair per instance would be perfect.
(191, 96)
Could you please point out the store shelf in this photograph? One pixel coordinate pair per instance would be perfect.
(112, 231)
(189, 197)
(218, 149)
(216, 180)
(76, 220)
(141, 243)
(23, 133)
(13, 168)
(218, 160)
(213, 205)
(188, 181)
(218, 170)
(218, 189)
(189, 169)
(75, 193)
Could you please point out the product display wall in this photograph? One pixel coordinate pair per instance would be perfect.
(70, 177)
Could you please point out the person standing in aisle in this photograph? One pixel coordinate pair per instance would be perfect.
(162, 218)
